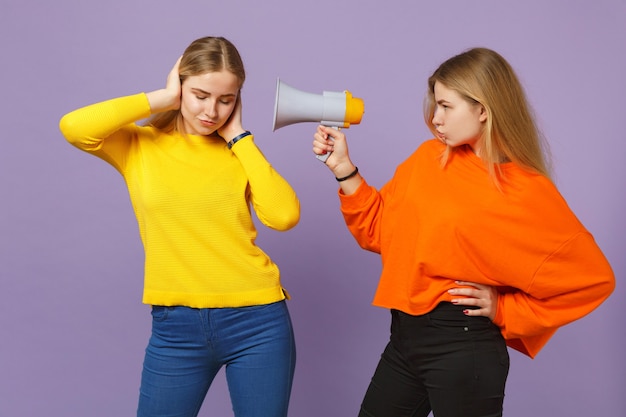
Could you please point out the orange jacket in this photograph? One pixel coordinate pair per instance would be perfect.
(435, 225)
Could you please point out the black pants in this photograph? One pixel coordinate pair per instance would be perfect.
(445, 362)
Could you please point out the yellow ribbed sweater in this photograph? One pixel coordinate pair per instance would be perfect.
(191, 196)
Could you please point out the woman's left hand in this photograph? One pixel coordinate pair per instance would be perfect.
(479, 295)
(233, 125)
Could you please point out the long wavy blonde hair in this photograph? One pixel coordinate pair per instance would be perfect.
(482, 76)
(208, 54)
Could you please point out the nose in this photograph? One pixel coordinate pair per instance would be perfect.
(210, 109)
(436, 121)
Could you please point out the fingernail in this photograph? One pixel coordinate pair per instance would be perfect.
(465, 312)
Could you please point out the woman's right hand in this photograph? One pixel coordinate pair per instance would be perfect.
(327, 139)
(167, 98)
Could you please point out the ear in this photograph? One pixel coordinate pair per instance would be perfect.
(482, 117)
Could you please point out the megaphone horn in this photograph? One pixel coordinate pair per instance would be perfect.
(335, 109)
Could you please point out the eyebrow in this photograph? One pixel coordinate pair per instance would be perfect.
(442, 101)
(199, 90)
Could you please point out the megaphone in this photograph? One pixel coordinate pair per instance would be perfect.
(334, 109)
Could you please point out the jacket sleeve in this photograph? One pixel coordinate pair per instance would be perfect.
(274, 200)
(363, 213)
(569, 284)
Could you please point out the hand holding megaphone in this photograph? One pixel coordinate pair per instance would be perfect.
(334, 109)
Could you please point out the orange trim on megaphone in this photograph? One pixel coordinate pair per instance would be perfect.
(354, 110)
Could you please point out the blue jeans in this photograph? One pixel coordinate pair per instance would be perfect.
(188, 347)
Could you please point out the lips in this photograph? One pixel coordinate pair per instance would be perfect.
(207, 123)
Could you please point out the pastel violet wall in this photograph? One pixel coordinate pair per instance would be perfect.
(73, 326)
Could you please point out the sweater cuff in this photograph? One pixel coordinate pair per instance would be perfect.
(249, 154)
(358, 198)
(498, 320)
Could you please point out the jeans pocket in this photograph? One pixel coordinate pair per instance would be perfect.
(159, 313)
(450, 324)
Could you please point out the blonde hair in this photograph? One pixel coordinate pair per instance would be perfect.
(208, 54)
(482, 76)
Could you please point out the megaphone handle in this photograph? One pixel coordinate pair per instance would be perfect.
(325, 156)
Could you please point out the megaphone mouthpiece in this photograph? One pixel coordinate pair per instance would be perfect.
(354, 109)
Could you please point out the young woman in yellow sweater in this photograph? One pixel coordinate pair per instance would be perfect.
(192, 173)
(479, 249)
